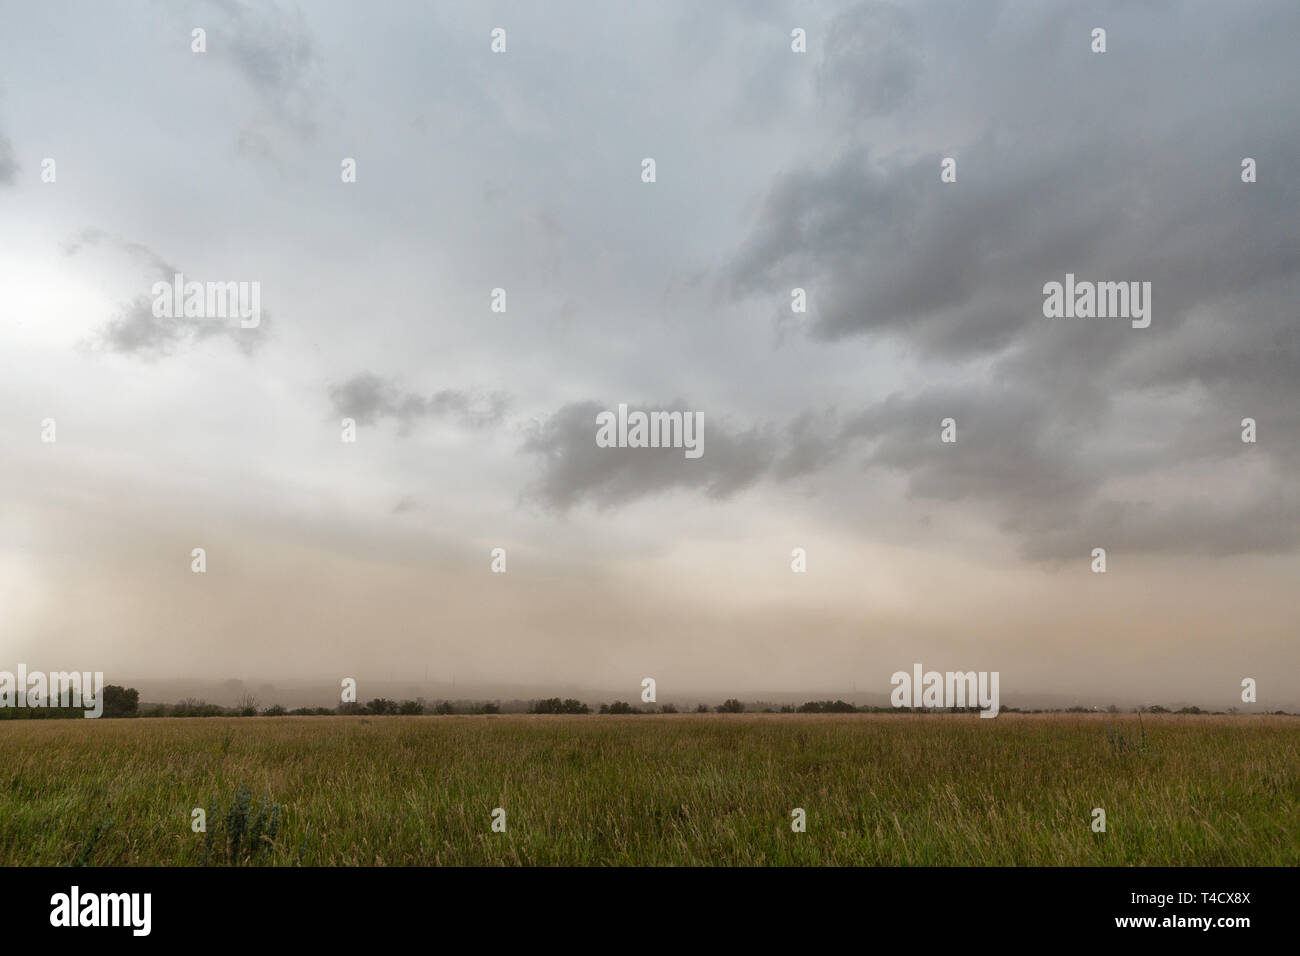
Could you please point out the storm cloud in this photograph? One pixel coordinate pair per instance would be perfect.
(824, 430)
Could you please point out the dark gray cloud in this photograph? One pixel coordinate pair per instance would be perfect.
(576, 470)
(1004, 450)
(813, 441)
(367, 399)
(1041, 472)
(1044, 475)
(1004, 455)
(1047, 470)
(1050, 181)
(1065, 174)
(958, 269)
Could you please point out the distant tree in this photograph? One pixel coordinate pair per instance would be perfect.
(701, 708)
(409, 708)
(553, 705)
(621, 707)
(731, 706)
(275, 710)
(381, 706)
(668, 709)
(827, 706)
(444, 707)
(246, 706)
(121, 701)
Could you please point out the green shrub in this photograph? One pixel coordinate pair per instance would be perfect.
(241, 834)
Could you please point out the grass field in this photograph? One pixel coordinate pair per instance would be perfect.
(686, 789)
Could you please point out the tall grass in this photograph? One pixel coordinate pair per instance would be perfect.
(877, 789)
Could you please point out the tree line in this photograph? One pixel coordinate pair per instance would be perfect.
(122, 702)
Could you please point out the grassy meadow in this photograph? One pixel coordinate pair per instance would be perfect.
(892, 789)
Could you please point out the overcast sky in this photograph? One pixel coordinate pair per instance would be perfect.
(522, 170)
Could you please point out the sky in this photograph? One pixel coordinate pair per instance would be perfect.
(523, 170)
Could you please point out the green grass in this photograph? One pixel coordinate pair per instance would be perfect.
(877, 789)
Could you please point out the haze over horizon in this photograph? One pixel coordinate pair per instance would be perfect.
(232, 692)
(475, 429)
